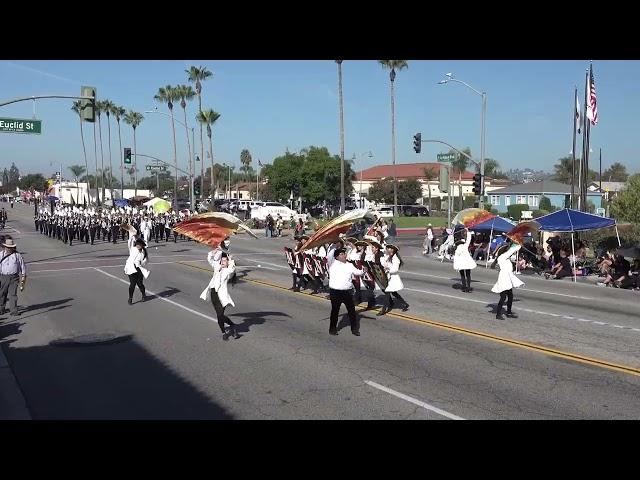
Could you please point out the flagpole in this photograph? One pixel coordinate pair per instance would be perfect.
(573, 150)
(585, 146)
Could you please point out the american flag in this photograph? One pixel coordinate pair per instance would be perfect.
(592, 105)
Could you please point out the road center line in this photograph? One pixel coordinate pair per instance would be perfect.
(415, 401)
(195, 312)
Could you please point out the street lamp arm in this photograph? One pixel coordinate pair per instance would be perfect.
(453, 148)
(174, 119)
(465, 84)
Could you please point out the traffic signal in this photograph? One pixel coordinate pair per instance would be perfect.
(417, 142)
(88, 107)
(196, 189)
(477, 184)
(127, 155)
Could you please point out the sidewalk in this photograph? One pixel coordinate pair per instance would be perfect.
(12, 403)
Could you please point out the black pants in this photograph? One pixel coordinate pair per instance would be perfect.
(114, 233)
(338, 297)
(92, 234)
(217, 306)
(466, 273)
(387, 299)
(136, 279)
(508, 296)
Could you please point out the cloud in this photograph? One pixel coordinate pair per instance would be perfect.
(41, 72)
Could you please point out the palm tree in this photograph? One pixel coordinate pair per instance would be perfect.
(339, 62)
(119, 112)
(108, 106)
(134, 119)
(197, 75)
(460, 165)
(393, 65)
(100, 108)
(245, 160)
(208, 118)
(77, 107)
(430, 173)
(186, 93)
(77, 170)
(169, 95)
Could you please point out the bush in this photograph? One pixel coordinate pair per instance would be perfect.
(436, 203)
(540, 213)
(515, 211)
(605, 238)
(545, 204)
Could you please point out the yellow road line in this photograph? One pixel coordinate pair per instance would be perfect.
(474, 333)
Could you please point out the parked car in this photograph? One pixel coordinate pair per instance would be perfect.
(415, 211)
(384, 212)
(275, 208)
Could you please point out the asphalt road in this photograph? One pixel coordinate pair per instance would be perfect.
(571, 354)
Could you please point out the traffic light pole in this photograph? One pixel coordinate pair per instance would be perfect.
(36, 97)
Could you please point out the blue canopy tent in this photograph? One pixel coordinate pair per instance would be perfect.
(121, 202)
(568, 220)
(497, 224)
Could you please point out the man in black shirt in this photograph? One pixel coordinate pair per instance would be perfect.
(561, 269)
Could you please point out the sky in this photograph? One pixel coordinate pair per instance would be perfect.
(269, 106)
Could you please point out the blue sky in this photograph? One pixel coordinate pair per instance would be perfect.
(267, 106)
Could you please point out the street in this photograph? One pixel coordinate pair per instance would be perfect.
(78, 351)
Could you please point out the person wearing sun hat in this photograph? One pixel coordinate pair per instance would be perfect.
(392, 262)
(12, 273)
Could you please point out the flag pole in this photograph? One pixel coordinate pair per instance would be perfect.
(573, 150)
(585, 146)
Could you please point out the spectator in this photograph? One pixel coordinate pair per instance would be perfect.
(428, 241)
(620, 271)
(391, 230)
(633, 279)
(267, 225)
(300, 229)
(562, 268)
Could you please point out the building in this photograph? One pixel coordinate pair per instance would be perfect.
(366, 178)
(65, 190)
(530, 193)
(609, 189)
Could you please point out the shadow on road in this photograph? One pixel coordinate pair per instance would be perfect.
(114, 380)
(38, 306)
(257, 318)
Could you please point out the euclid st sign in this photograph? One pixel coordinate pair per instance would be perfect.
(17, 125)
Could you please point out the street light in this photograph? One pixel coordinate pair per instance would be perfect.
(449, 78)
(370, 155)
(191, 175)
(229, 181)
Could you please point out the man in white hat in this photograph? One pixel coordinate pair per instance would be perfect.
(12, 273)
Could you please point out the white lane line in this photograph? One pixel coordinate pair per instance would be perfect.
(415, 401)
(537, 312)
(488, 283)
(267, 263)
(14, 229)
(448, 296)
(190, 310)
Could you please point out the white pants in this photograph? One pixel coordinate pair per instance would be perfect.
(145, 235)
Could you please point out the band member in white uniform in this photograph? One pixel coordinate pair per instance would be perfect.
(507, 281)
(134, 266)
(463, 262)
(219, 292)
(392, 263)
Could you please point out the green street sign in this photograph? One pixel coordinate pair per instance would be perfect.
(446, 157)
(20, 125)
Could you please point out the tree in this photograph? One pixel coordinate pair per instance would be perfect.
(312, 174)
(100, 108)
(77, 171)
(245, 159)
(545, 203)
(460, 165)
(562, 171)
(119, 112)
(197, 75)
(617, 172)
(5, 178)
(14, 176)
(208, 118)
(109, 107)
(409, 191)
(393, 65)
(381, 191)
(169, 95)
(33, 181)
(626, 205)
(186, 93)
(76, 107)
(430, 174)
(492, 169)
(134, 119)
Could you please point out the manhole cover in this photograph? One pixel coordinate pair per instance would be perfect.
(89, 339)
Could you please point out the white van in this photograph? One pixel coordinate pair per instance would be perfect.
(275, 208)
